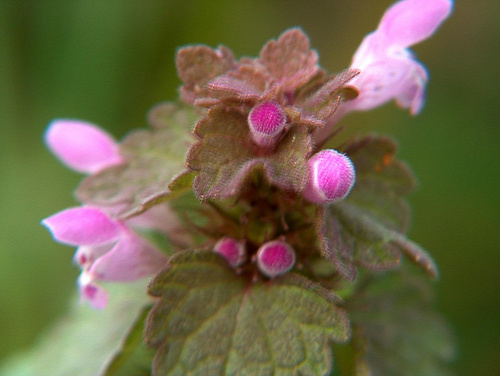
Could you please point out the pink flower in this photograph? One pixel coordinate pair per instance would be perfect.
(108, 250)
(388, 68)
(82, 146)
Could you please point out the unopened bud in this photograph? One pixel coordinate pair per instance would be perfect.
(275, 258)
(233, 250)
(331, 177)
(267, 121)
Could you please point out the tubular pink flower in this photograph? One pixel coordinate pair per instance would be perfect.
(108, 250)
(331, 177)
(82, 146)
(233, 250)
(275, 258)
(388, 68)
(267, 121)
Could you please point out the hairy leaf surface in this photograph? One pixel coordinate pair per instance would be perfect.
(225, 157)
(210, 321)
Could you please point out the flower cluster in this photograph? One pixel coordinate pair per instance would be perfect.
(248, 225)
(257, 142)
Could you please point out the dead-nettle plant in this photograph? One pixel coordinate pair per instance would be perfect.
(270, 253)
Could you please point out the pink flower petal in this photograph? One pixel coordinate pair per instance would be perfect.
(130, 259)
(91, 292)
(86, 255)
(82, 226)
(82, 146)
(400, 77)
(411, 21)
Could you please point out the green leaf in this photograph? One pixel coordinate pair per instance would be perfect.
(210, 321)
(83, 341)
(367, 229)
(403, 335)
(153, 160)
(134, 357)
(225, 157)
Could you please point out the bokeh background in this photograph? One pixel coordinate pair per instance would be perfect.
(109, 61)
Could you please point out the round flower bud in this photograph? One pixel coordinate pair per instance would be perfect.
(275, 258)
(233, 250)
(331, 177)
(267, 121)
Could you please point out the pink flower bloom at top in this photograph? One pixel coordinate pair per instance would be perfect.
(388, 68)
(82, 146)
(108, 250)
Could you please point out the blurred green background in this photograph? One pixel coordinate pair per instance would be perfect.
(108, 61)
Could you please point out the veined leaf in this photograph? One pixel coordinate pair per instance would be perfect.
(210, 321)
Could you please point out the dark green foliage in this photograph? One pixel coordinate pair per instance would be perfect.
(399, 331)
(210, 321)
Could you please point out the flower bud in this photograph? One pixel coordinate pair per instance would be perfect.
(275, 258)
(331, 177)
(233, 250)
(267, 121)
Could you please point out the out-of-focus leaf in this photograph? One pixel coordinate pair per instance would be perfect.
(210, 321)
(153, 159)
(403, 334)
(83, 342)
(224, 157)
(367, 229)
(134, 358)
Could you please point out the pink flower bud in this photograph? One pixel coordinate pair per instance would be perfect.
(233, 250)
(267, 121)
(275, 258)
(331, 177)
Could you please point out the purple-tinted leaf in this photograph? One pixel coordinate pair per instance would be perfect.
(325, 100)
(225, 157)
(197, 65)
(290, 59)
